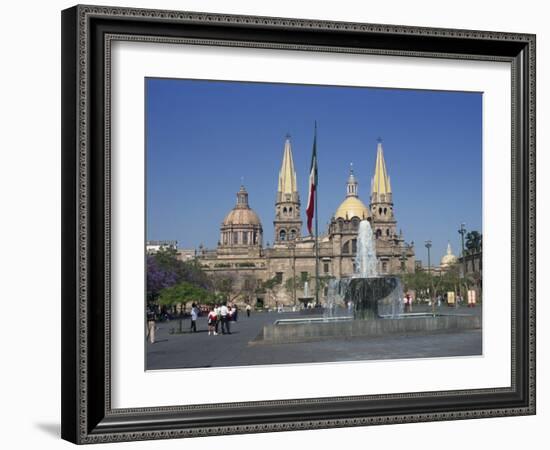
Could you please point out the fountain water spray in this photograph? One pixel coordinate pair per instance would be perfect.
(365, 261)
(366, 294)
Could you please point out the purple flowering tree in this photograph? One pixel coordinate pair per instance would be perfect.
(159, 277)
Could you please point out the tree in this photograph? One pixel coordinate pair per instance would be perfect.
(182, 293)
(473, 241)
(191, 271)
(159, 277)
(164, 269)
(225, 285)
(419, 281)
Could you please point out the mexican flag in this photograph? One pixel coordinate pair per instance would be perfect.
(311, 198)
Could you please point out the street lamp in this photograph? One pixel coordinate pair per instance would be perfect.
(462, 232)
(292, 247)
(428, 245)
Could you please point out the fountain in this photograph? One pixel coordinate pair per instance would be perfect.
(366, 293)
(365, 304)
(306, 299)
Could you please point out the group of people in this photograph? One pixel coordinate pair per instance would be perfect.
(219, 318)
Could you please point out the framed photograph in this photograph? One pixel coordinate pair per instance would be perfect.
(283, 224)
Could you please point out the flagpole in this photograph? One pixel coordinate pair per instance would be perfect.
(316, 207)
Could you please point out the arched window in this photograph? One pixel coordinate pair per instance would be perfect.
(284, 210)
(245, 237)
(385, 211)
(380, 211)
(282, 235)
(355, 223)
(387, 232)
(345, 248)
(235, 237)
(378, 233)
(290, 210)
(292, 235)
(340, 225)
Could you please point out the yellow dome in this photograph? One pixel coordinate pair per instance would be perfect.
(241, 216)
(352, 207)
(448, 259)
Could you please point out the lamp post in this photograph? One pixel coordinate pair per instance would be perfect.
(462, 232)
(292, 246)
(428, 245)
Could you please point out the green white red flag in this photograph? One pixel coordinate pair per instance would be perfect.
(312, 196)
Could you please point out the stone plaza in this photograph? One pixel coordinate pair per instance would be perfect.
(241, 348)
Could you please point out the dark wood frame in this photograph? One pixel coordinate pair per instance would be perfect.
(87, 416)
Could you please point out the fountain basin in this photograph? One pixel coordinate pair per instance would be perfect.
(315, 330)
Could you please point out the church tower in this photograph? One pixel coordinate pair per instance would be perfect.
(287, 223)
(381, 201)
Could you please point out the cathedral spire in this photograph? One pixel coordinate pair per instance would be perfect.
(287, 223)
(287, 174)
(380, 187)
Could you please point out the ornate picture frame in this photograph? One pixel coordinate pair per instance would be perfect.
(87, 413)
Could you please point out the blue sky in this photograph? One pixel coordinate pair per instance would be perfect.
(203, 137)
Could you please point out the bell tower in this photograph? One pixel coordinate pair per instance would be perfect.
(381, 201)
(287, 223)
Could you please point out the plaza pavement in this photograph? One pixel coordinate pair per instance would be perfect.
(193, 350)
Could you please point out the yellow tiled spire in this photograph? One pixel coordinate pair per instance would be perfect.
(287, 174)
(381, 180)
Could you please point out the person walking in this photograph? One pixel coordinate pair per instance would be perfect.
(248, 308)
(224, 313)
(212, 322)
(151, 324)
(194, 316)
(217, 310)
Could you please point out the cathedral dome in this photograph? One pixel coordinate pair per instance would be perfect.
(448, 259)
(352, 207)
(241, 216)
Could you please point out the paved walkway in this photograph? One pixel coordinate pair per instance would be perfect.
(190, 350)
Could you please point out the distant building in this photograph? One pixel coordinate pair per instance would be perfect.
(473, 260)
(154, 246)
(241, 254)
(186, 254)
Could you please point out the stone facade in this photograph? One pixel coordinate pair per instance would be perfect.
(241, 255)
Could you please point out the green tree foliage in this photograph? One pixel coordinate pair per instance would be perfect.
(182, 293)
(419, 281)
(164, 270)
(267, 285)
(473, 241)
(448, 281)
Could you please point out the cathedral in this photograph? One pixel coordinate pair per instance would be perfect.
(288, 266)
